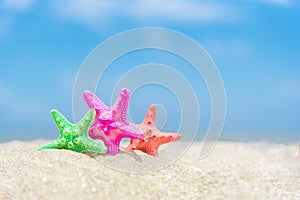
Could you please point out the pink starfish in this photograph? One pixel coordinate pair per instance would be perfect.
(111, 124)
(153, 137)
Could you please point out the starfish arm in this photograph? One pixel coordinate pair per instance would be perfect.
(60, 120)
(92, 146)
(168, 137)
(150, 118)
(112, 148)
(132, 130)
(152, 150)
(93, 131)
(121, 106)
(51, 145)
(85, 123)
(93, 101)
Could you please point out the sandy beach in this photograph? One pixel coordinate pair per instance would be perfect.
(231, 171)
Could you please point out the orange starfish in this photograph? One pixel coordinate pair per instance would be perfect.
(153, 137)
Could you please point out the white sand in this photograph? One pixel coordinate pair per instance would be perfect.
(231, 171)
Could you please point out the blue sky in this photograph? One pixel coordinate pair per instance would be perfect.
(254, 43)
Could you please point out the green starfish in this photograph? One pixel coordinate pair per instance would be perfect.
(74, 136)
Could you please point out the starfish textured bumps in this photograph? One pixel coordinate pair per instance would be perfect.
(74, 136)
(153, 137)
(111, 124)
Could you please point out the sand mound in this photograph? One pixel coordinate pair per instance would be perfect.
(231, 171)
